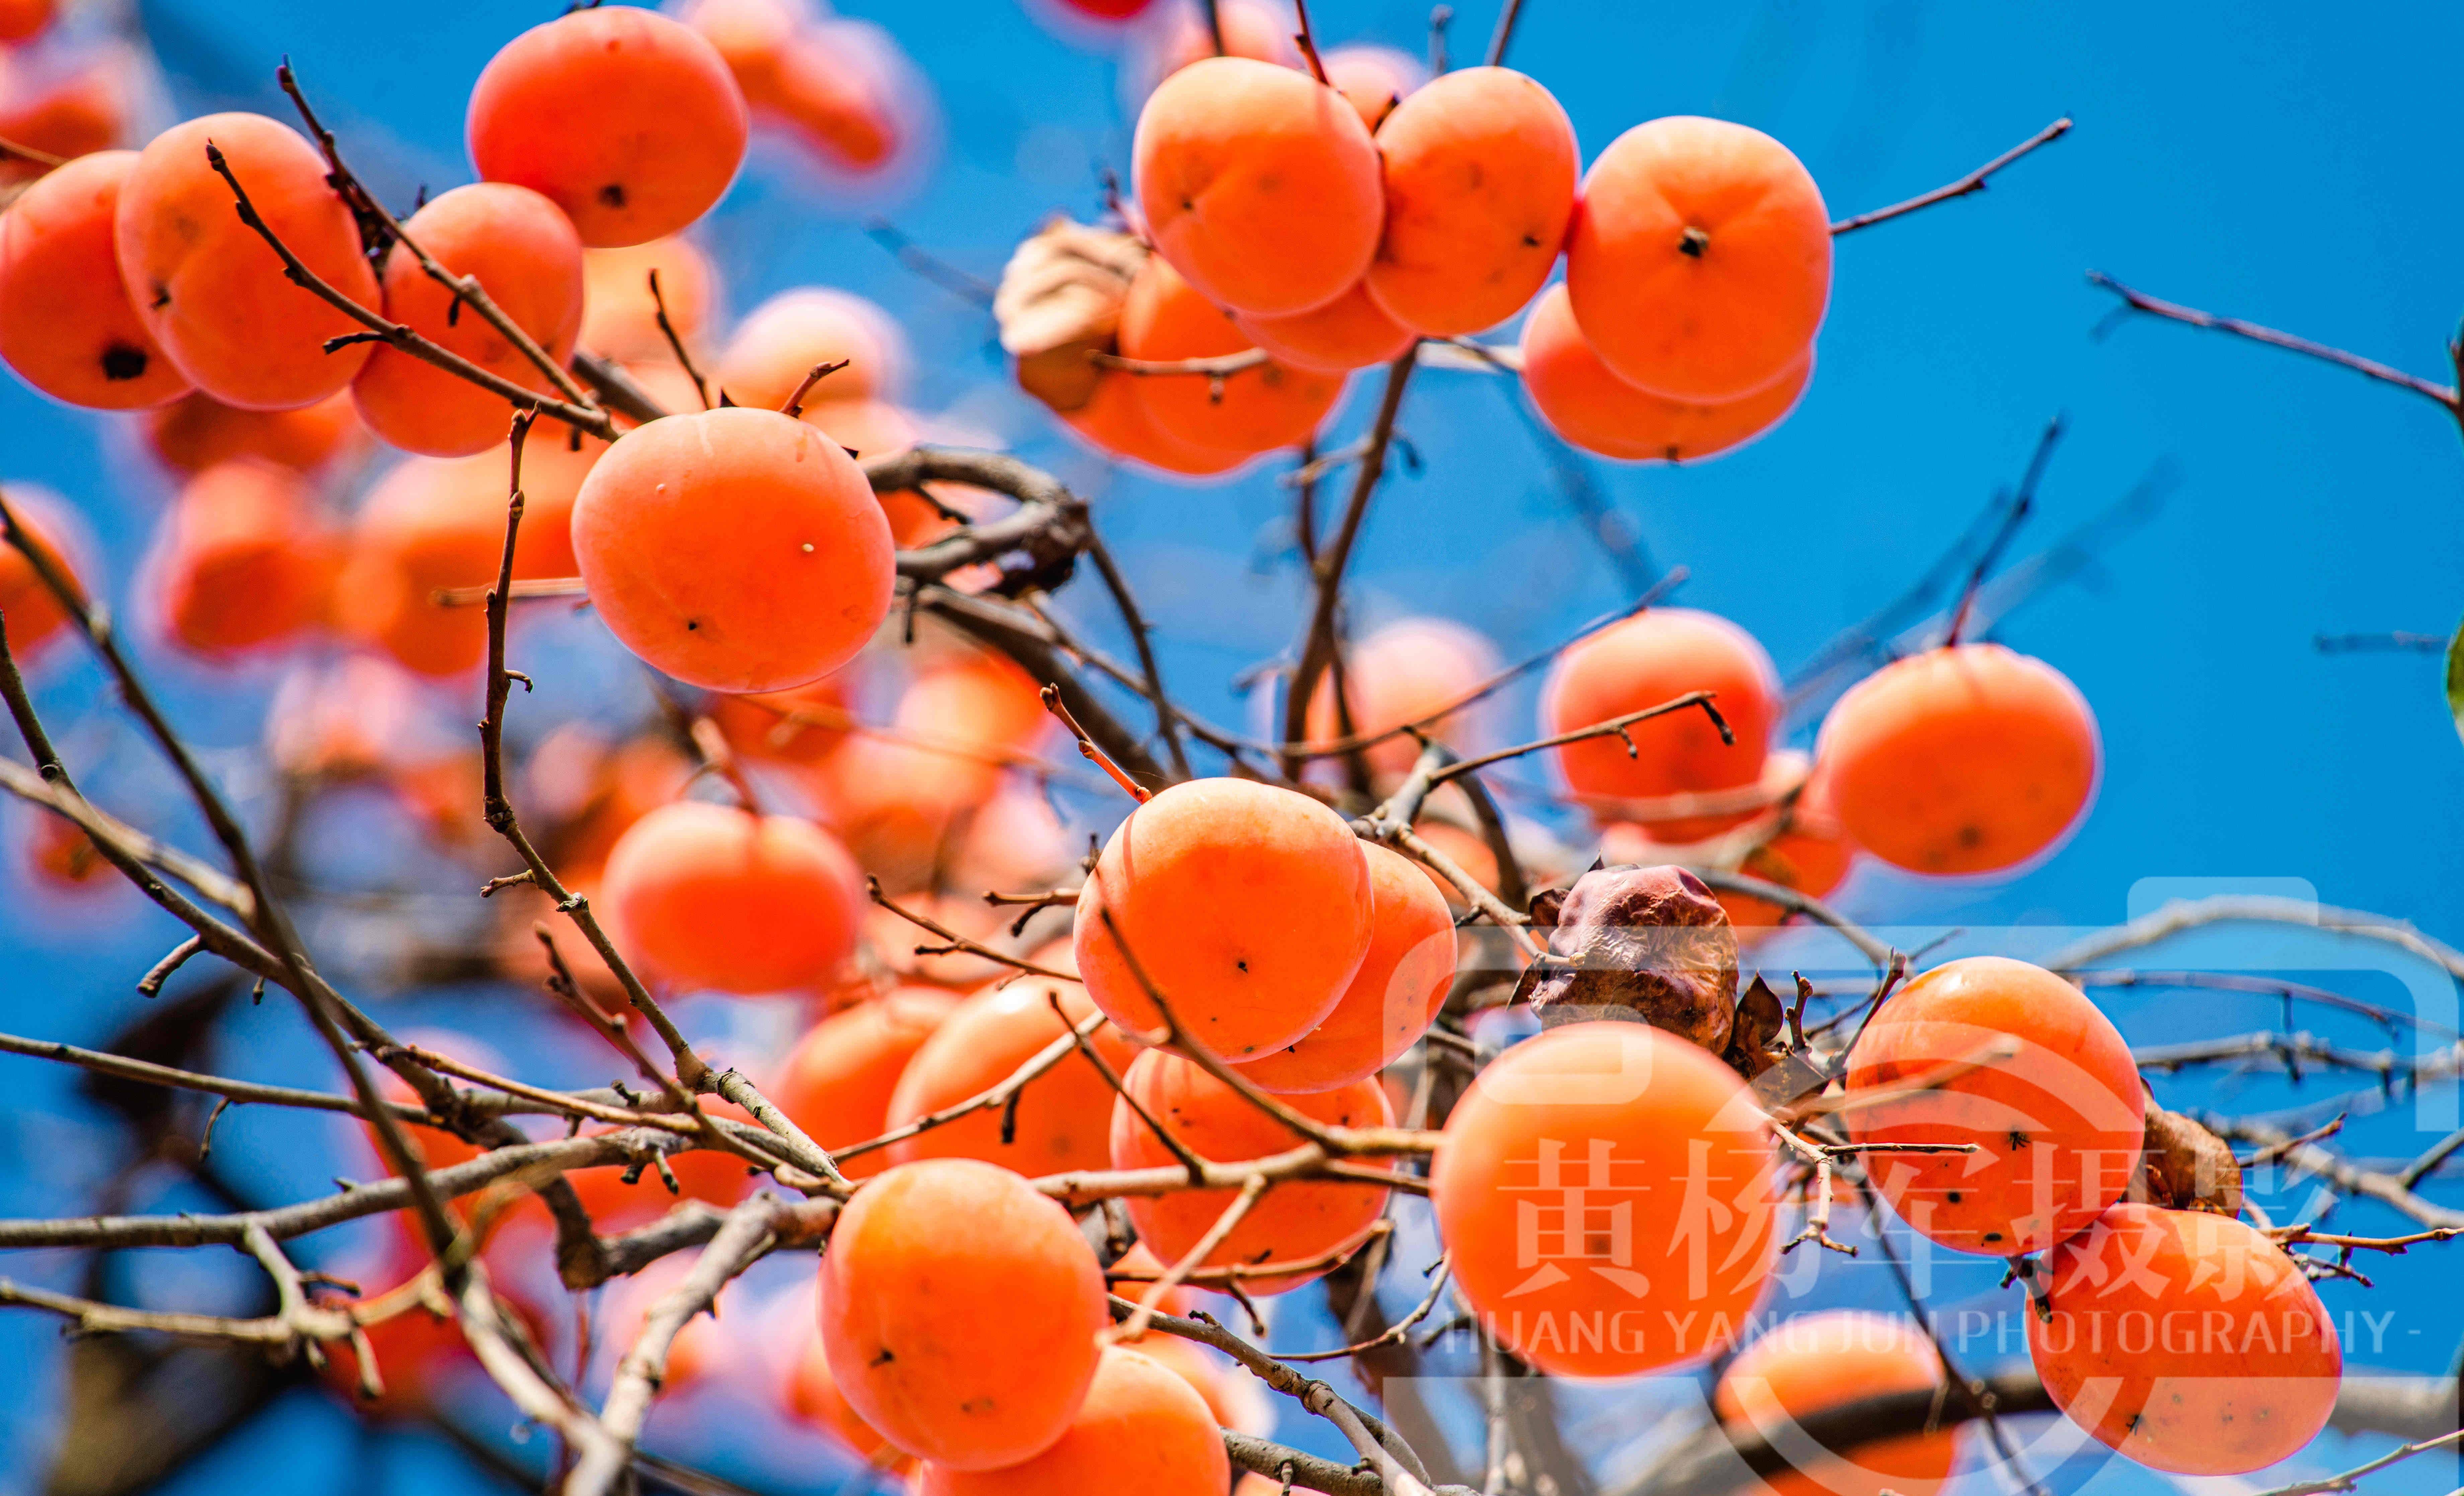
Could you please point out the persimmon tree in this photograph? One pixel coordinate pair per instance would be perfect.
(1311, 1000)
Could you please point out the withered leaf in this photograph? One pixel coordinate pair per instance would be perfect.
(1649, 944)
(2185, 1166)
(1060, 299)
(1758, 1020)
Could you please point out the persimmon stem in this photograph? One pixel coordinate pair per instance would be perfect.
(1306, 38)
(795, 405)
(1052, 703)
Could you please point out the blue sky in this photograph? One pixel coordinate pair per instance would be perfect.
(2286, 163)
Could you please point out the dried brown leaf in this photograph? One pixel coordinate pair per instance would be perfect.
(1060, 300)
(1650, 943)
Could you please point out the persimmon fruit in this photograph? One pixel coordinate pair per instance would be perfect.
(1291, 1222)
(1606, 1193)
(1815, 1362)
(2015, 1060)
(1966, 759)
(838, 1080)
(1393, 997)
(1642, 661)
(1259, 183)
(2186, 1340)
(1063, 1116)
(1248, 908)
(734, 549)
(1350, 332)
(626, 119)
(1698, 262)
(1588, 403)
(523, 252)
(213, 295)
(1165, 319)
(1480, 171)
(241, 560)
(713, 896)
(67, 325)
(1142, 1428)
(960, 1310)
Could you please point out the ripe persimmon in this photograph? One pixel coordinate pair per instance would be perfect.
(1350, 332)
(1641, 662)
(1392, 999)
(1142, 1428)
(837, 1080)
(620, 319)
(2014, 1058)
(1291, 1222)
(713, 896)
(1585, 402)
(1270, 405)
(1246, 907)
(525, 255)
(1700, 258)
(215, 297)
(196, 431)
(67, 326)
(1259, 183)
(563, 110)
(242, 560)
(1481, 169)
(1407, 671)
(734, 549)
(1063, 1116)
(1971, 759)
(779, 341)
(2186, 1340)
(28, 609)
(1815, 1362)
(1605, 1190)
(960, 1310)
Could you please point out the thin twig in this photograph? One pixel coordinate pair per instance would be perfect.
(1973, 182)
(2140, 301)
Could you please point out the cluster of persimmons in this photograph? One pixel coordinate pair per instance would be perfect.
(1243, 966)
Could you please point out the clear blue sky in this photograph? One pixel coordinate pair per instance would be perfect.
(2287, 162)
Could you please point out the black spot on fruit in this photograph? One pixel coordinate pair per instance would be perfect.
(882, 1358)
(612, 194)
(1954, 1196)
(121, 361)
(692, 625)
